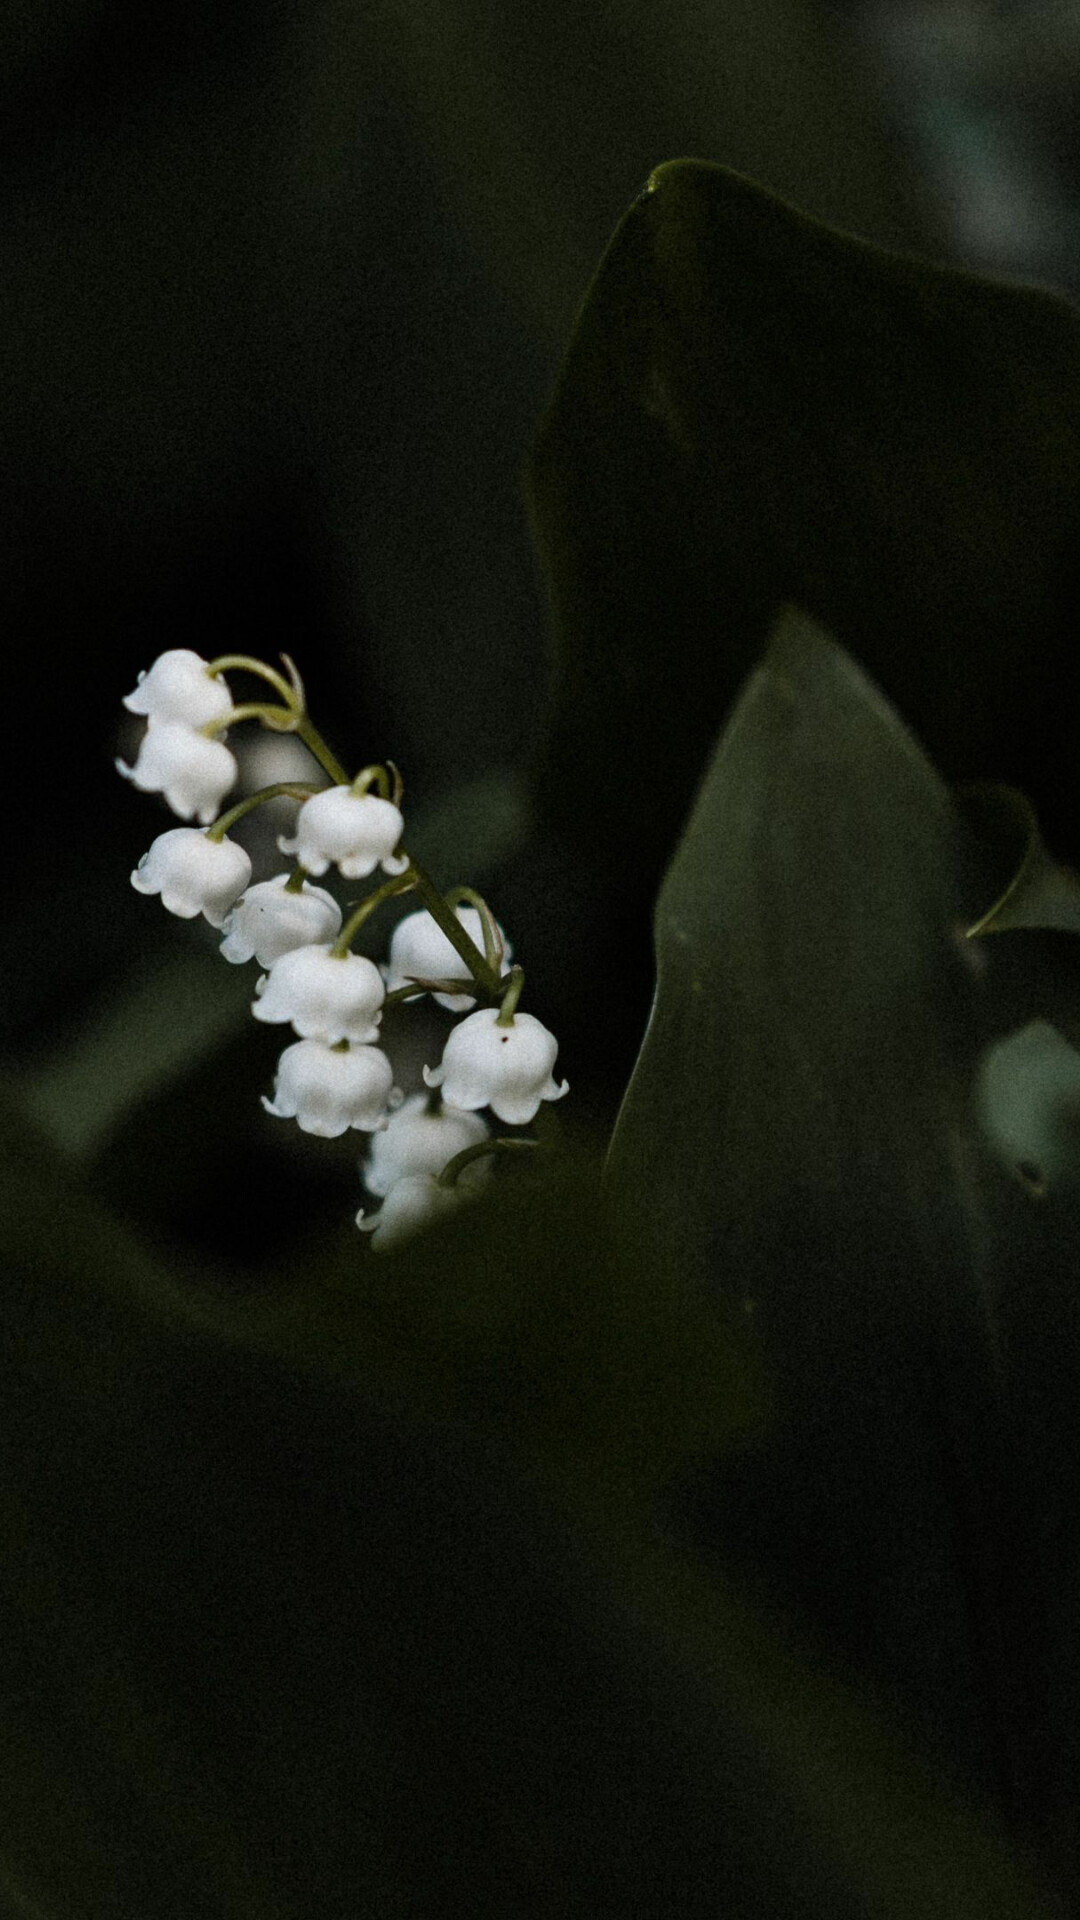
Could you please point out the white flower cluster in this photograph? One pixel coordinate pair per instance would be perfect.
(335, 1076)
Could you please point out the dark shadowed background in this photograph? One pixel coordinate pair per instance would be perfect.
(284, 291)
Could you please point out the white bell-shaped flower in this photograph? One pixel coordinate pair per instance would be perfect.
(270, 921)
(193, 874)
(327, 1090)
(413, 1202)
(416, 1140)
(180, 686)
(420, 950)
(326, 998)
(508, 1069)
(356, 832)
(193, 773)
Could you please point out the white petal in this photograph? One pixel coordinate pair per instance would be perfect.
(178, 687)
(508, 1068)
(328, 1091)
(412, 1203)
(420, 950)
(417, 1140)
(323, 996)
(193, 874)
(353, 831)
(193, 773)
(270, 921)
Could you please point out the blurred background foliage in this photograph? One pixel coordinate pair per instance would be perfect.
(284, 292)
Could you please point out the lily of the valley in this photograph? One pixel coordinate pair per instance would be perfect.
(355, 832)
(420, 950)
(193, 773)
(324, 995)
(180, 686)
(194, 874)
(270, 920)
(417, 1140)
(327, 1090)
(505, 1067)
(413, 1202)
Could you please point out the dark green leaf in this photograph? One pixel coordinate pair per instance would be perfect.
(1040, 891)
(757, 408)
(813, 1136)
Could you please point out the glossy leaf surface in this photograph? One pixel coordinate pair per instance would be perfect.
(758, 408)
(838, 1129)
